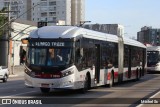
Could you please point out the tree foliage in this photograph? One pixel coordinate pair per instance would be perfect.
(3, 20)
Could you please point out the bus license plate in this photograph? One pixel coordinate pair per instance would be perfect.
(45, 85)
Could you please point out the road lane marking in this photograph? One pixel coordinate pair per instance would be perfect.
(17, 94)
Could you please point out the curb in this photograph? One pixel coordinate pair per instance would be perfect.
(13, 75)
(16, 75)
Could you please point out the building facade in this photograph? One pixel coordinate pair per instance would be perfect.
(22, 28)
(149, 35)
(71, 12)
(114, 29)
(77, 11)
(17, 7)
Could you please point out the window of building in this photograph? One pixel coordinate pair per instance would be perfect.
(52, 3)
(6, 4)
(52, 8)
(44, 14)
(43, 9)
(52, 13)
(43, 3)
(54, 19)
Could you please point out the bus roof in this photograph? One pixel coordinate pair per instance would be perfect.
(77, 32)
(133, 42)
(153, 48)
(70, 32)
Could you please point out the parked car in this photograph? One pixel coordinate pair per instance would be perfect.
(4, 73)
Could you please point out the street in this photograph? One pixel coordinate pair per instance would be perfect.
(127, 93)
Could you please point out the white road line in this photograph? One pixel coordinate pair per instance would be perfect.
(155, 94)
(17, 94)
(140, 105)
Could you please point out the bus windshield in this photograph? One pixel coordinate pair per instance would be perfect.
(153, 56)
(50, 56)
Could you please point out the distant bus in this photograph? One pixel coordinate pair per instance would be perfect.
(67, 57)
(153, 58)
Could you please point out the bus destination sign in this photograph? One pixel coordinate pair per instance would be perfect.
(50, 44)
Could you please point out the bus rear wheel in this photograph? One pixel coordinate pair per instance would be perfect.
(138, 74)
(45, 90)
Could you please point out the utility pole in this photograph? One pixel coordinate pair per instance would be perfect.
(8, 36)
(9, 41)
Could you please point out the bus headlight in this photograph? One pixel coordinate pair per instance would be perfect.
(66, 73)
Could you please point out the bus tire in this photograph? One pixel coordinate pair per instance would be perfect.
(86, 85)
(45, 90)
(137, 75)
(111, 80)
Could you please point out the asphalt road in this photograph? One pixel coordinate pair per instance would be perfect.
(121, 95)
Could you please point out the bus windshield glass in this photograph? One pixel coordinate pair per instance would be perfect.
(153, 56)
(50, 56)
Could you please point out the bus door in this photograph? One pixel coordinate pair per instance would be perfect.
(97, 62)
(129, 65)
(143, 62)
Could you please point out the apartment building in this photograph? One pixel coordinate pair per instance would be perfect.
(149, 35)
(71, 12)
(17, 7)
(77, 11)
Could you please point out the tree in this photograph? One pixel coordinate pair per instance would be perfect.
(3, 20)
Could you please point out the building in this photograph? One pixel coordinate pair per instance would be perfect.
(71, 12)
(18, 7)
(77, 11)
(22, 28)
(149, 35)
(114, 29)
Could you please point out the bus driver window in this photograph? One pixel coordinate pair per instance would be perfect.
(50, 57)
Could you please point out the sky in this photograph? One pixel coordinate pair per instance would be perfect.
(132, 14)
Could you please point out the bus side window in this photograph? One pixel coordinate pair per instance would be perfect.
(158, 56)
(79, 54)
(109, 63)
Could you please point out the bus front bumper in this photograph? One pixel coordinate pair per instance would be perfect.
(60, 83)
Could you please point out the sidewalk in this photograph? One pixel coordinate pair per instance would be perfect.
(17, 71)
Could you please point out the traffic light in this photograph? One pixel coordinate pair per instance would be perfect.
(41, 24)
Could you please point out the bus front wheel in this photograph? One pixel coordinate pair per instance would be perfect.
(86, 85)
(45, 90)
